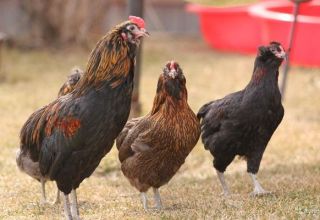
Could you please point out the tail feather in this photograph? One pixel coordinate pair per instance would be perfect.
(30, 134)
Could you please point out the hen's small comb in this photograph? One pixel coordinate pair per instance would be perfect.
(172, 64)
(137, 20)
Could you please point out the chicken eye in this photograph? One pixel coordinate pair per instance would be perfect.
(273, 50)
(131, 28)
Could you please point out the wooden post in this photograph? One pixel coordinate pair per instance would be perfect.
(2, 39)
(135, 7)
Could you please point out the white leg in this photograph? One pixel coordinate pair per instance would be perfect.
(66, 204)
(223, 183)
(258, 190)
(157, 198)
(144, 200)
(74, 205)
(43, 191)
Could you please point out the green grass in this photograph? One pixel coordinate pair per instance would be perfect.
(290, 167)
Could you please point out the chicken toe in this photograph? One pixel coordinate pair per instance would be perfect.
(258, 190)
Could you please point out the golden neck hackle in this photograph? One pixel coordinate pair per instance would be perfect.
(109, 61)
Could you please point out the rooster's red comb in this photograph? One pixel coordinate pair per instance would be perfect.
(137, 20)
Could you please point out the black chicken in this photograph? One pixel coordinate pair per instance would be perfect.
(70, 136)
(243, 122)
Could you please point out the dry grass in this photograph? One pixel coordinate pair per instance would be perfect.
(290, 167)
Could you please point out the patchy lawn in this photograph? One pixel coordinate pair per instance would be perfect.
(290, 167)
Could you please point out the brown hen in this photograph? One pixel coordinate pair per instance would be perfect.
(152, 148)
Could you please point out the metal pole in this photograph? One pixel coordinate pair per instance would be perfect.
(135, 7)
(291, 36)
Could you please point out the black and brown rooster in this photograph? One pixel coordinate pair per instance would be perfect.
(152, 148)
(24, 161)
(70, 136)
(243, 122)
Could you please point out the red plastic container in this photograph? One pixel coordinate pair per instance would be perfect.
(276, 20)
(228, 29)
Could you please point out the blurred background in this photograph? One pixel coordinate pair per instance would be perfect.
(215, 43)
(36, 23)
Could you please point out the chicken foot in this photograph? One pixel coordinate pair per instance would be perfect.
(258, 190)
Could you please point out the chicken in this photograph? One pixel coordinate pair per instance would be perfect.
(25, 163)
(152, 148)
(71, 82)
(70, 136)
(243, 122)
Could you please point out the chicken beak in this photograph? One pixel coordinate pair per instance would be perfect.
(282, 55)
(142, 33)
(146, 33)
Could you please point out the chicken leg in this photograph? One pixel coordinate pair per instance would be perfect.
(43, 200)
(225, 188)
(157, 198)
(66, 204)
(144, 200)
(74, 205)
(258, 190)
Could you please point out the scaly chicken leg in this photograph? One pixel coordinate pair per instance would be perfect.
(157, 198)
(258, 190)
(66, 204)
(144, 200)
(74, 205)
(225, 188)
(43, 200)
